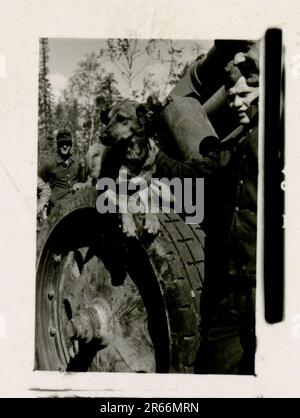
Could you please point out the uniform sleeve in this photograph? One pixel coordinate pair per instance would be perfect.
(44, 172)
(193, 168)
(44, 193)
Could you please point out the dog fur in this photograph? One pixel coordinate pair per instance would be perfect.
(128, 133)
(93, 161)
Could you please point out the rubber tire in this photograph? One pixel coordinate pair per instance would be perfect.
(177, 260)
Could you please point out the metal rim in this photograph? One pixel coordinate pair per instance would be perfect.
(136, 309)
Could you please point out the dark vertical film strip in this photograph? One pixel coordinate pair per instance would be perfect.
(273, 178)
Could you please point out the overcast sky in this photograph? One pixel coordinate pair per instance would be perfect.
(64, 55)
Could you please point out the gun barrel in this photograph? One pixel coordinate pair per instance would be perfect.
(205, 76)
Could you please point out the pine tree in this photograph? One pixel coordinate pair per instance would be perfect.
(45, 100)
(89, 91)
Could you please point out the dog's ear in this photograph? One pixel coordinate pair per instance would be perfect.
(104, 116)
(144, 114)
(152, 108)
(154, 103)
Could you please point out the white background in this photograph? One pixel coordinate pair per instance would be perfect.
(22, 23)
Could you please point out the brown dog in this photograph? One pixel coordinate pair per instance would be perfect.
(127, 132)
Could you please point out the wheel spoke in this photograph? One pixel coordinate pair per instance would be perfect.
(83, 278)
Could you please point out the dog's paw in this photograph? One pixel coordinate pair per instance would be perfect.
(128, 225)
(151, 224)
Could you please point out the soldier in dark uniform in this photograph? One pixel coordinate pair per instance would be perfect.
(228, 339)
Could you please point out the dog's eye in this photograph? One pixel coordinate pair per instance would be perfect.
(121, 118)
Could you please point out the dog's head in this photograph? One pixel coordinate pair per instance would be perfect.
(126, 120)
(121, 121)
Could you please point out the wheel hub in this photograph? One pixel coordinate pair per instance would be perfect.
(93, 322)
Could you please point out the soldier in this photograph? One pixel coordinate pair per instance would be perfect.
(64, 173)
(228, 339)
(228, 330)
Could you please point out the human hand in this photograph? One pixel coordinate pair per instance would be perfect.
(154, 149)
(78, 186)
(44, 213)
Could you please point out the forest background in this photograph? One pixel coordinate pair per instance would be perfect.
(113, 69)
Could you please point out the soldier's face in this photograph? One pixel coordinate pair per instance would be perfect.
(240, 97)
(64, 148)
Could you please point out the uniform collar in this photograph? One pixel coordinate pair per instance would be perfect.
(60, 161)
(239, 134)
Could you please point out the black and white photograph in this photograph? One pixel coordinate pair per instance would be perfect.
(147, 205)
(149, 215)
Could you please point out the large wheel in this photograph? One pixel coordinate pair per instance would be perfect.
(86, 321)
